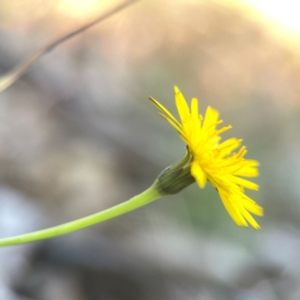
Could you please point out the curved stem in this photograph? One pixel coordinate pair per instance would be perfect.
(14, 75)
(142, 199)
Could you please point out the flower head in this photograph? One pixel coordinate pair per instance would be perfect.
(215, 161)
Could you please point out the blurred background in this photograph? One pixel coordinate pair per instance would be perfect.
(78, 135)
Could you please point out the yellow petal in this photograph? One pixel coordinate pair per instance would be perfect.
(232, 209)
(244, 182)
(195, 121)
(194, 108)
(248, 217)
(252, 206)
(211, 118)
(223, 129)
(228, 146)
(247, 172)
(182, 107)
(163, 109)
(178, 127)
(198, 173)
(241, 152)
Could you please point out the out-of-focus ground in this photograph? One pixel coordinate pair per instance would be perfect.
(78, 135)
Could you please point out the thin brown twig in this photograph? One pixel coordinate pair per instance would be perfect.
(8, 79)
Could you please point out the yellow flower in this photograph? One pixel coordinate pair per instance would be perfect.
(214, 161)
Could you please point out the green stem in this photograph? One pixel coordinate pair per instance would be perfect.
(142, 199)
